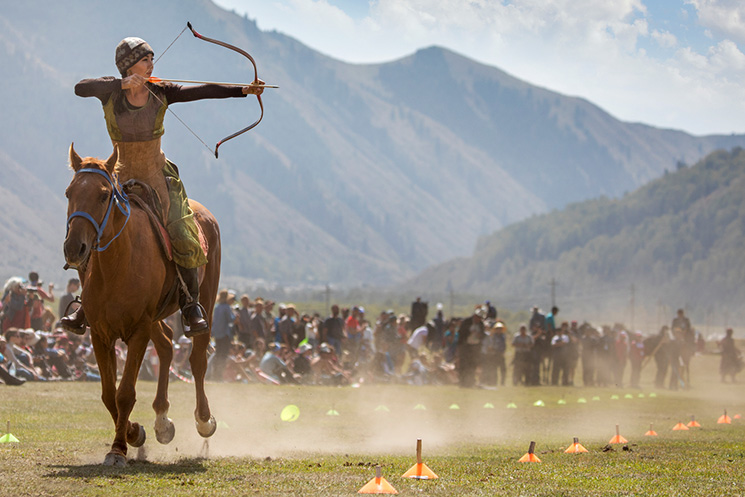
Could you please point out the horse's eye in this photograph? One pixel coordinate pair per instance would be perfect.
(104, 197)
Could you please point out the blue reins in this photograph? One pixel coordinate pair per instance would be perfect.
(117, 197)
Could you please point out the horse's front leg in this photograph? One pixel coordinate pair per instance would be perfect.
(127, 432)
(206, 424)
(106, 359)
(161, 335)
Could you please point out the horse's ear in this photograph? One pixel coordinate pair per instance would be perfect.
(111, 163)
(75, 161)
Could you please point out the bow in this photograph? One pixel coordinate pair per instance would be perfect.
(256, 82)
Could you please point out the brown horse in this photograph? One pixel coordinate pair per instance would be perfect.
(126, 281)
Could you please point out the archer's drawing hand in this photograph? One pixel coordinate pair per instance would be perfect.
(133, 81)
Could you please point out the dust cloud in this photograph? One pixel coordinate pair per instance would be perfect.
(387, 419)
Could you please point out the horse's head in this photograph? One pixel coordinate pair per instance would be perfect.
(89, 201)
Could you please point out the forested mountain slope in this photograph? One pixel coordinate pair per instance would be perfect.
(679, 240)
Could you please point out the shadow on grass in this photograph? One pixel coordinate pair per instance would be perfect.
(134, 467)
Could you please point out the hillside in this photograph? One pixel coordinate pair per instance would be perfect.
(358, 174)
(678, 240)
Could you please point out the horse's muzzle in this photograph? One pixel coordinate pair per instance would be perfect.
(76, 251)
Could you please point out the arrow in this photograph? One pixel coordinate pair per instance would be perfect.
(154, 79)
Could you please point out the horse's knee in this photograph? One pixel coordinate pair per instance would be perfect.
(126, 396)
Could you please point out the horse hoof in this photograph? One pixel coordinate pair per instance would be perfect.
(142, 436)
(115, 459)
(164, 436)
(208, 428)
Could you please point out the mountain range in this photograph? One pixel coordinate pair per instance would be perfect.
(357, 175)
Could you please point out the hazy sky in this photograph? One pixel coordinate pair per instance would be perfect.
(669, 63)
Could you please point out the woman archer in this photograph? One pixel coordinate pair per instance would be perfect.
(134, 110)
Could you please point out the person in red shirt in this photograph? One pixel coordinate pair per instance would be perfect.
(354, 332)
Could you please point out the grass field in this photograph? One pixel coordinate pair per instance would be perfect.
(64, 433)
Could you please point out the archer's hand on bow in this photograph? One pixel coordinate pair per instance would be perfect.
(255, 88)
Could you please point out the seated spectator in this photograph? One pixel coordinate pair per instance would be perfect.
(419, 371)
(381, 368)
(273, 366)
(21, 360)
(327, 369)
(301, 364)
(48, 359)
(443, 373)
(239, 363)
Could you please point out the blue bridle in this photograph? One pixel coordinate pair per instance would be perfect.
(117, 197)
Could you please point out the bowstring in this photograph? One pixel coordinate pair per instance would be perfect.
(168, 108)
(169, 46)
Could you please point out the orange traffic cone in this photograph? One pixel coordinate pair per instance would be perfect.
(378, 485)
(419, 471)
(724, 419)
(530, 456)
(618, 439)
(575, 448)
(680, 426)
(693, 423)
(650, 432)
(736, 416)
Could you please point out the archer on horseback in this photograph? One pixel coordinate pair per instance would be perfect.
(134, 109)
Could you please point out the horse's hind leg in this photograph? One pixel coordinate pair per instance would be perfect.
(206, 424)
(161, 335)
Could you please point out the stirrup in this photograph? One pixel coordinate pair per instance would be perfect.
(190, 332)
(78, 324)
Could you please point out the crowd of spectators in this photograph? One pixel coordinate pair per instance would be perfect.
(32, 348)
(262, 341)
(253, 343)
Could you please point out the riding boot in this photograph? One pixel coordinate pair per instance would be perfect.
(74, 322)
(191, 310)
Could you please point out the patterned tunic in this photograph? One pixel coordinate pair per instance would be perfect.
(136, 132)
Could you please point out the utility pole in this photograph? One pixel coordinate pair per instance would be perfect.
(659, 313)
(633, 298)
(451, 293)
(553, 292)
(328, 300)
